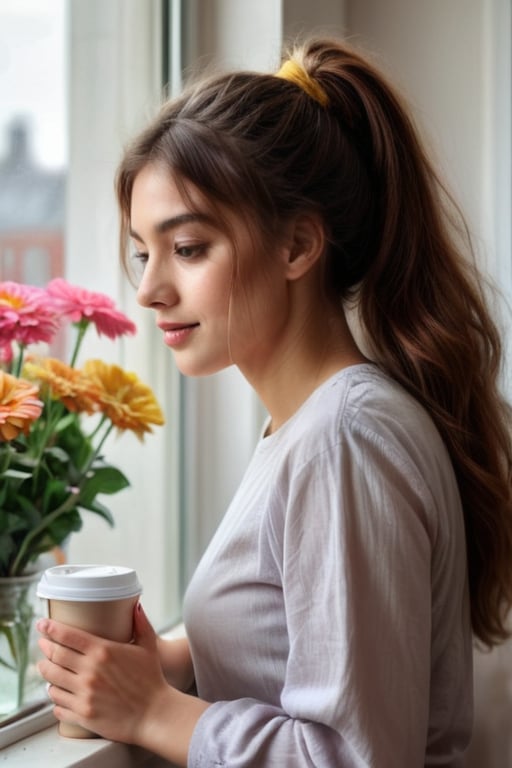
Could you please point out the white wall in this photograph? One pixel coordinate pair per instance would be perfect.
(452, 62)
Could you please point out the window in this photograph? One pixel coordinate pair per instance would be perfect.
(58, 217)
(33, 160)
(33, 147)
(77, 80)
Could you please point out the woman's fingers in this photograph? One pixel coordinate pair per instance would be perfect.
(60, 666)
(60, 654)
(65, 635)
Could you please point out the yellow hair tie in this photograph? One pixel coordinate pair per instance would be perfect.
(295, 73)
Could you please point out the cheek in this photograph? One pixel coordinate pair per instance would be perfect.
(259, 308)
(216, 304)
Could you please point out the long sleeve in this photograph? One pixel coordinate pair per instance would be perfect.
(356, 529)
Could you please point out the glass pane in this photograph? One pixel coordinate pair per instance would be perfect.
(33, 158)
(33, 148)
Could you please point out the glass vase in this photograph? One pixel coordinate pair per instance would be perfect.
(19, 608)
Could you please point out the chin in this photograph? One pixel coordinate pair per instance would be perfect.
(195, 370)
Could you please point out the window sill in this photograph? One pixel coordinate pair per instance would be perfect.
(45, 748)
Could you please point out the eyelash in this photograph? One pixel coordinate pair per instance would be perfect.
(186, 252)
(190, 251)
(140, 257)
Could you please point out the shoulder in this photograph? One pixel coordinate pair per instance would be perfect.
(363, 426)
(361, 400)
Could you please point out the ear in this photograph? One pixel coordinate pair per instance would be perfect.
(306, 244)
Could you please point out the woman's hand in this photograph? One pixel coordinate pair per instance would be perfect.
(117, 690)
(106, 684)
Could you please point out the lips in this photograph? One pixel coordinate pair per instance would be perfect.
(177, 333)
(175, 326)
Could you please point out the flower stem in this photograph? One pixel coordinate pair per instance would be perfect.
(81, 327)
(71, 501)
(97, 428)
(19, 361)
(98, 448)
(54, 411)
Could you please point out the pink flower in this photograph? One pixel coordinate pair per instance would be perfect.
(80, 304)
(27, 315)
(6, 354)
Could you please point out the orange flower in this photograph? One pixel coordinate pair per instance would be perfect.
(64, 383)
(19, 406)
(123, 398)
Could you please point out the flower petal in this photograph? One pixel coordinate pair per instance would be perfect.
(19, 406)
(124, 399)
(27, 314)
(64, 383)
(80, 304)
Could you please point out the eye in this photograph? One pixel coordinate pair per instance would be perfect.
(138, 262)
(190, 251)
(139, 257)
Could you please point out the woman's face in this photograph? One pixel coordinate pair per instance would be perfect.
(217, 300)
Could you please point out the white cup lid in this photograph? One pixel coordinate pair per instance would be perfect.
(86, 583)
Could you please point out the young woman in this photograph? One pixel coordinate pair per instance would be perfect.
(330, 622)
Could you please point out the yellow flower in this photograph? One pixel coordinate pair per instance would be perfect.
(19, 406)
(64, 383)
(123, 398)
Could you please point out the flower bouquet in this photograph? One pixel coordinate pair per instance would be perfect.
(54, 420)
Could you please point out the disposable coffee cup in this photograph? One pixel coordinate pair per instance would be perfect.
(97, 598)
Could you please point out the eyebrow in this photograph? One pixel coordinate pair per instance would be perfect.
(175, 221)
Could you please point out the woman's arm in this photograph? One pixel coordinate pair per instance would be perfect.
(176, 662)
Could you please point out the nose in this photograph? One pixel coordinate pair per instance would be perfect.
(156, 288)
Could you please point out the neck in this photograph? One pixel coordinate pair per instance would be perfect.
(306, 359)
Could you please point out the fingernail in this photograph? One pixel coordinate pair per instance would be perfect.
(42, 625)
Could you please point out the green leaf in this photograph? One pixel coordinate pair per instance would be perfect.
(23, 509)
(100, 509)
(17, 474)
(24, 462)
(6, 550)
(68, 420)
(55, 493)
(6, 454)
(71, 439)
(57, 453)
(12, 523)
(102, 480)
(67, 523)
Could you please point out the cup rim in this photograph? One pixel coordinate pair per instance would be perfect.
(88, 583)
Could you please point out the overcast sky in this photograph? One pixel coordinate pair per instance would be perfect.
(32, 74)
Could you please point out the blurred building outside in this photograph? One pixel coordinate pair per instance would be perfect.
(32, 213)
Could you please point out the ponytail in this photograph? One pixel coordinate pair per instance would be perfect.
(423, 306)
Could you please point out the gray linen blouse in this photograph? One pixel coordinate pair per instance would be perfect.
(328, 619)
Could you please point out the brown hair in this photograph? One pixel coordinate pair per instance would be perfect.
(261, 144)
